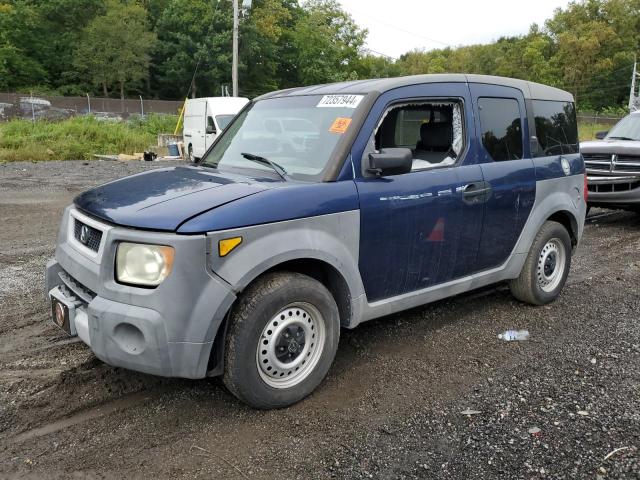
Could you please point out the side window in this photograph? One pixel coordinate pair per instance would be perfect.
(556, 127)
(501, 128)
(433, 130)
(211, 126)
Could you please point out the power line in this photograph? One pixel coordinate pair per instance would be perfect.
(400, 29)
(371, 50)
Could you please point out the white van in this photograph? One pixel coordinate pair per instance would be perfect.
(204, 119)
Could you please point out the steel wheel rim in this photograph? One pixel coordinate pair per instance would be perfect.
(551, 265)
(290, 345)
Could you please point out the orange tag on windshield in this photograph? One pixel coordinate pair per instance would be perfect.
(340, 125)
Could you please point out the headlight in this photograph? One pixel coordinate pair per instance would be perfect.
(146, 265)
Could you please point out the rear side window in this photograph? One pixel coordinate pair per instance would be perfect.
(556, 127)
(501, 128)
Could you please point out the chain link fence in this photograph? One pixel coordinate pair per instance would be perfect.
(598, 118)
(46, 107)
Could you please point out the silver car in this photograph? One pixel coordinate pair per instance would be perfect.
(613, 165)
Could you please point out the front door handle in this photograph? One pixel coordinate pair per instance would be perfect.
(476, 192)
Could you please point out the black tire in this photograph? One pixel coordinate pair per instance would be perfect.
(532, 286)
(263, 302)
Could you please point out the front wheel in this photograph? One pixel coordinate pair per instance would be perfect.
(283, 336)
(546, 268)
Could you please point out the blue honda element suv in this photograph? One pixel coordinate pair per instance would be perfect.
(317, 209)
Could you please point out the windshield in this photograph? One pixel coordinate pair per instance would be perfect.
(627, 129)
(298, 134)
(224, 120)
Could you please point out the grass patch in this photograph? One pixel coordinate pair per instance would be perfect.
(587, 131)
(79, 138)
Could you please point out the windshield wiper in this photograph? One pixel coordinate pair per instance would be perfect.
(620, 138)
(265, 161)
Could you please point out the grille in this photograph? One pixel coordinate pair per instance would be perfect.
(618, 164)
(76, 289)
(605, 157)
(627, 163)
(597, 161)
(93, 236)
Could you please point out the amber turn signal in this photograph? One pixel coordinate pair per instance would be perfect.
(226, 246)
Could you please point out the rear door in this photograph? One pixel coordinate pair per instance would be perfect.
(422, 228)
(194, 123)
(505, 159)
(556, 131)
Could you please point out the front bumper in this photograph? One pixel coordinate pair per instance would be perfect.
(614, 190)
(167, 331)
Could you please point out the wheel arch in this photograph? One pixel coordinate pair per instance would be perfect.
(318, 269)
(568, 221)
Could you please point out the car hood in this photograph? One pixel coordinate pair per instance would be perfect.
(620, 147)
(165, 198)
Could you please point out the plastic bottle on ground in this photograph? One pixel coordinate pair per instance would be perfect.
(514, 335)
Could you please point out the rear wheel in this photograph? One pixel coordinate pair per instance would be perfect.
(282, 339)
(546, 268)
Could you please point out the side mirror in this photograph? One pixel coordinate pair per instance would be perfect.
(391, 161)
(601, 135)
(211, 130)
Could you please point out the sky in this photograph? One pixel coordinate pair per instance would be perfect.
(397, 26)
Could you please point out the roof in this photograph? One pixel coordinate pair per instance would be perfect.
(530, 90)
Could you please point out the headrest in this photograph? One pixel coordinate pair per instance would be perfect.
(436, 135)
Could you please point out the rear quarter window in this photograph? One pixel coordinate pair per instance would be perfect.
(556, 127)
(501, 128)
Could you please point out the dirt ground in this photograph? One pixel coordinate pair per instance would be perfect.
(565, 404)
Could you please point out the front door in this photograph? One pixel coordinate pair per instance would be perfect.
(210, 131)
(421, 228)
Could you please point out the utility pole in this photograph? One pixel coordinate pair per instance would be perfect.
(234, 67)
(634, 99)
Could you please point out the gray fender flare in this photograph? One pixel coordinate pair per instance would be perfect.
(551, 199)
(333, 239)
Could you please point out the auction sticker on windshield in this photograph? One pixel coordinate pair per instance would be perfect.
(340, 101)
(340, 125)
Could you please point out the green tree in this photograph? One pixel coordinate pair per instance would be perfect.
(328, 43)
(375, 66)
(116, 46)
(17, 68)
(266, 51)
(194, 37)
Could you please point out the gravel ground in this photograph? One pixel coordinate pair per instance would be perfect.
(428, 393)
